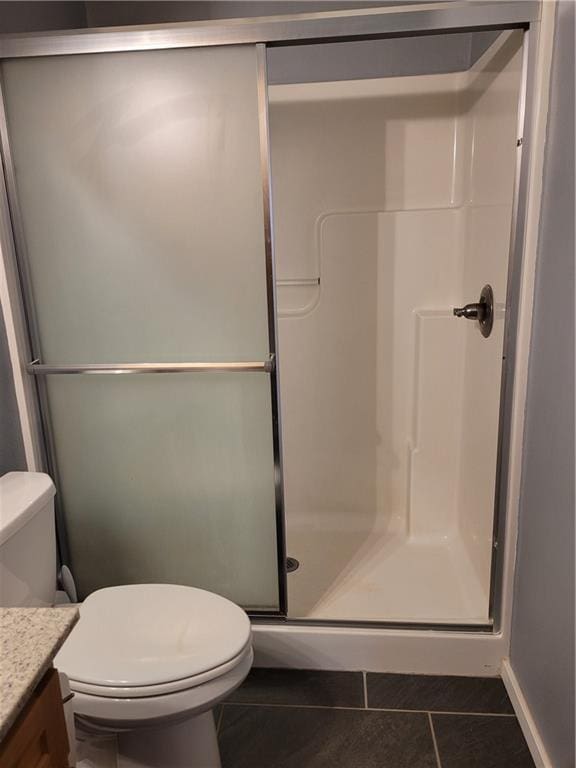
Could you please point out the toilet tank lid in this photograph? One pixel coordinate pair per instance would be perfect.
(22, 495)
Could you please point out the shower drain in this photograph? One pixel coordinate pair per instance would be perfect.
(292, 564)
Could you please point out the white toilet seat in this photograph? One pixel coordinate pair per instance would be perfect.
(172, 686)
(143, 654)
(148, 635)
(119, 714)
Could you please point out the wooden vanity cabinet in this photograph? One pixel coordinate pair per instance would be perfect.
(38, 738)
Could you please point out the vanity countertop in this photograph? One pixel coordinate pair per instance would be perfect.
(29, 640)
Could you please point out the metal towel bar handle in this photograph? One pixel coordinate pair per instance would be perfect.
(40, 369)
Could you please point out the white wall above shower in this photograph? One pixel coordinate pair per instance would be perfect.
(394, 198)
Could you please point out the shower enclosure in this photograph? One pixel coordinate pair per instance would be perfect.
(240, 248)
(392, 205)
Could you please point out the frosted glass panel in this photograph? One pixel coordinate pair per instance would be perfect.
(139, 181)
(169, 478)
(138, 177)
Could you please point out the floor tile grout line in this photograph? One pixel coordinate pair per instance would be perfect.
(365, 690)
(367, 709)
(438, 761)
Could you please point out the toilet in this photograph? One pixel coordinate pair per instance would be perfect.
(146, 663)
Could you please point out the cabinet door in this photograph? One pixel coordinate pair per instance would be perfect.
(38, 739)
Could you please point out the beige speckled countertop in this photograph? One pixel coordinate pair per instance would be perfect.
(29, 640)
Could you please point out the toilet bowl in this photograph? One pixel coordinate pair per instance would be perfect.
(148, 662)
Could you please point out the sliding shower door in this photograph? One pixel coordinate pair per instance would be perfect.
(138, 204)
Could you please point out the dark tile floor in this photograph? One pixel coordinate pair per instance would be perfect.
(310, 719)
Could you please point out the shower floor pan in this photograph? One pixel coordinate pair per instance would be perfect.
(398, 578)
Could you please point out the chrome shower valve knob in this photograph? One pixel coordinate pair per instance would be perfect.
(482, 311)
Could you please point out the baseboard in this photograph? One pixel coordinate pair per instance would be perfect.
(527, 722)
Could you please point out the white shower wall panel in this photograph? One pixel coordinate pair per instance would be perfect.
(356, 146)
(371, 377)
(364, 410)
(418, 282)
(329, 396)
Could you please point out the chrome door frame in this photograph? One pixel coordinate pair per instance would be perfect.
(387, 22)
(513, 289)
(266, 175)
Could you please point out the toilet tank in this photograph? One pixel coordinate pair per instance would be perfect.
(27, 540)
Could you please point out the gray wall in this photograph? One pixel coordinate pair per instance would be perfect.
(39, 15)
(102, 13)
(542, 652)
(397, 57)
(11, 446)
(27, 16)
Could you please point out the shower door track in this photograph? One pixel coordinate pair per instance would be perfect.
(372, 23)
(436, 626)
